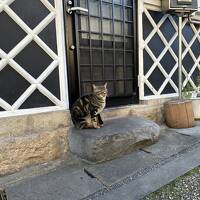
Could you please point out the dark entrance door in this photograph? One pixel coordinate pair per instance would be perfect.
(102, 48)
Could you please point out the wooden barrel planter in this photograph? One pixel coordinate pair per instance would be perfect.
(179, 114)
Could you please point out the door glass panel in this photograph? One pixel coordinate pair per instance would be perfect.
(108, 57)
(107, 26)
(118, 28)
(128, 2)
(96, 40)
(128, 29)
(119, 57)
(109, 72)
(119, 72)
(85, 73)
(117, 1)
(120, 88)
(128, 14)
(98, 73)
(107, 10)
(119, 42)
(110, 86)
(84, 39)
(94, 7)
(129, 43)
(95, 24)
(118, 12)
(84, 56)
(96, 57)
(83, 3)
(83, 23)
(106, 46)
(108, 41)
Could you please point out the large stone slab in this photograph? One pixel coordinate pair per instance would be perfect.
(118, 137)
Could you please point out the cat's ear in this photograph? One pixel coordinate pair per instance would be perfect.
(105, 85)
(93, 86)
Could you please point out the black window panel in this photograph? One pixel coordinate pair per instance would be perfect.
(167, 29)
(52, 83)
(52, 2)
(48, 35)
(194, 76)
(156, 45)
(187, 32)
(188, 62)
(148, 62)
(156, 78)
(168, 62)
(196, 48)
(36, 99)
(147, 91)
(9, 79)
(147, 26)
(31, 12)
(175, 77)
(1, 109)
(33, 59)
(168, 89)
(175, 46)
(157, 16)
(11, 33)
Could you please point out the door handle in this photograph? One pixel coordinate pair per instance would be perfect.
(70, 10)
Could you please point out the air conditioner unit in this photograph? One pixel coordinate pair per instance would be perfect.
(179, 5)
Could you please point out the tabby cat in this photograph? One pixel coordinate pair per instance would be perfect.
(86, 110)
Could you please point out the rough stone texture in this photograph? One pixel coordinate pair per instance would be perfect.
(118, 137)
(17, 152)
(150, 111)
(18, 125)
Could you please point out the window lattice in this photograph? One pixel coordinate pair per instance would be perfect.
(159, 74)
(32, 39)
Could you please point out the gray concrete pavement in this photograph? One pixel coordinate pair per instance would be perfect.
(130, 177)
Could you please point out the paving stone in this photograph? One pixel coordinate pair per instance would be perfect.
(60, 185)
(118, 137)
(169, 144)
(113, 171)
(194, 131)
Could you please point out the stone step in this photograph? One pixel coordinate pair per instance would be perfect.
(116, 138)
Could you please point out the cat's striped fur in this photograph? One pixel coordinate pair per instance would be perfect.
(85, 112)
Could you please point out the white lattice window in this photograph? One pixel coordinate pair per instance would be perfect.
(158, 53)
(30, 35)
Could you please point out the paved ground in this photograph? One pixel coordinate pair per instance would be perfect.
(131, 177)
